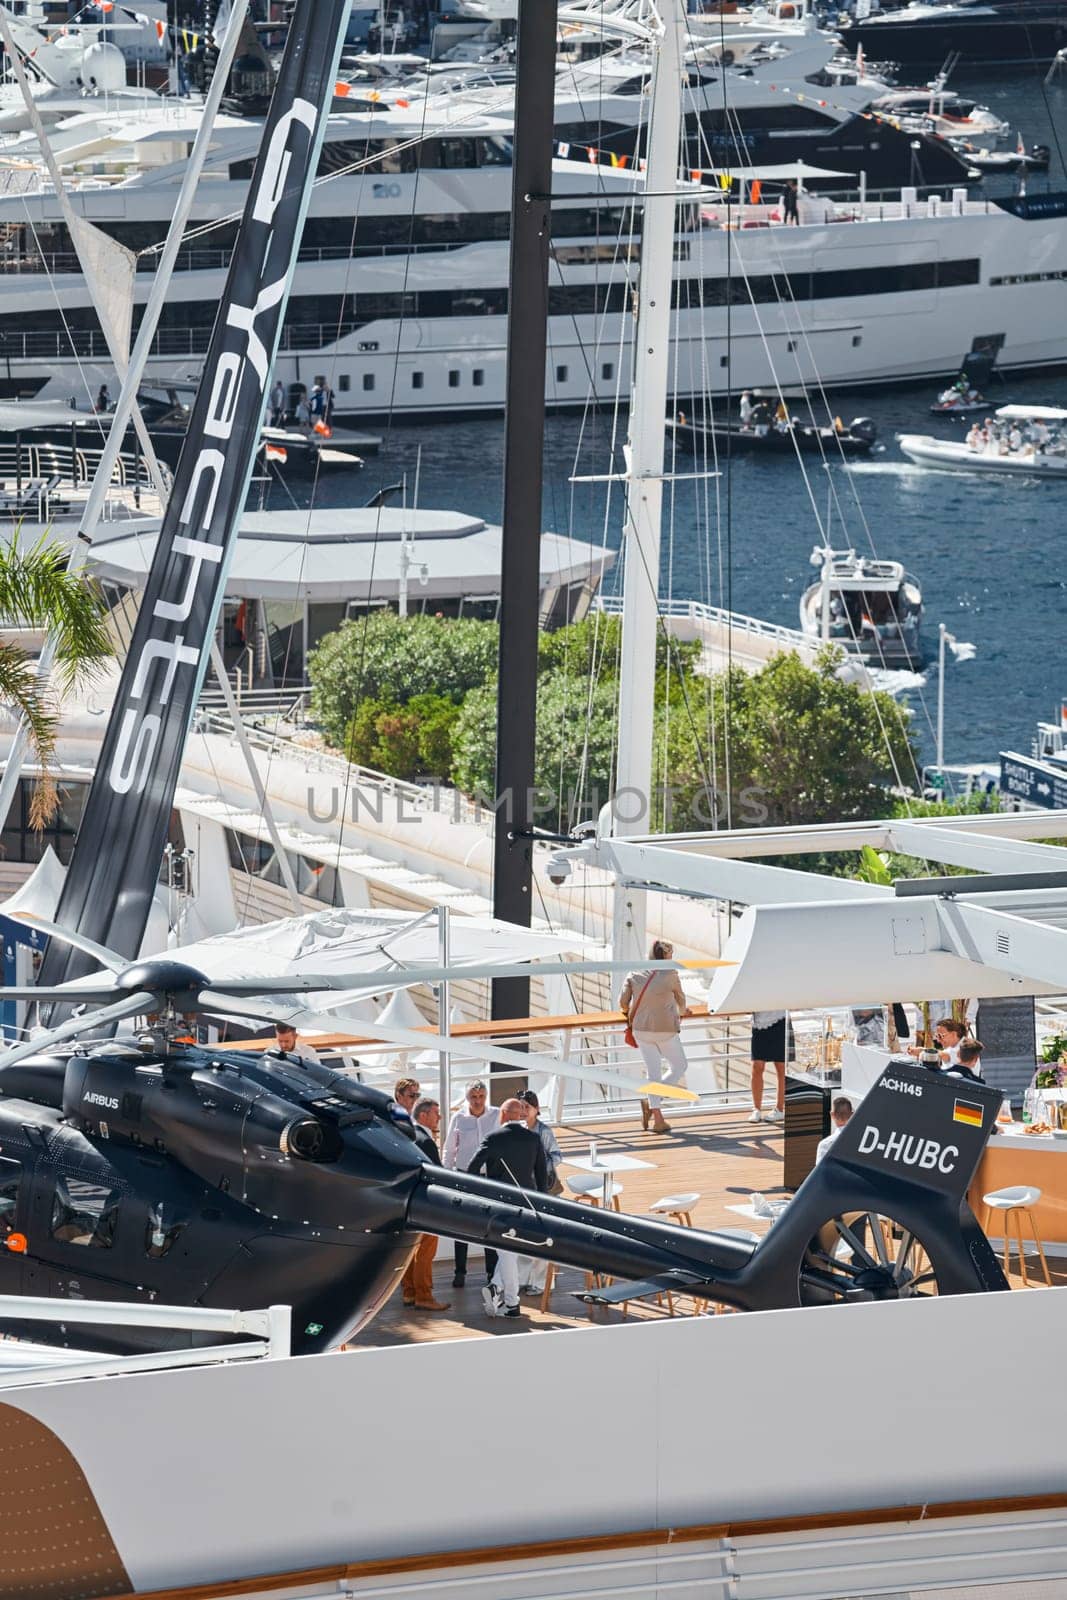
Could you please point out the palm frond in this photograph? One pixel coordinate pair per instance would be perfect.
(38, 591)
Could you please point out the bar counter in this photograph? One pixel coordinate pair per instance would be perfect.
(1023, 1158)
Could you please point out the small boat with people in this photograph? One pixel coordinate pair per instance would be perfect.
(872, 608)
(1016, 441)
(771, 429)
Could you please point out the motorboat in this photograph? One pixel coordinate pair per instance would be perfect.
(1036, 159)
(937, 110)
(870, 607)
(1023, 442)
(763, 435)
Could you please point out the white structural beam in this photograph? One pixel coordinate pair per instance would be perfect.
(1031, 950)
(976, 851)
(871, 952)
(749, 882)
(812, 838)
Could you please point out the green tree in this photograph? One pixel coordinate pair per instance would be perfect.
(37, 591)
(574, 750)
(390, 658)
(788, 745)
(407, 741)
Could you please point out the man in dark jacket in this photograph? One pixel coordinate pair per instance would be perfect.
(418, 1279)
(511, 1154)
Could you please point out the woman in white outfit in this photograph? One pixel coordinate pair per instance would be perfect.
(655, 1005)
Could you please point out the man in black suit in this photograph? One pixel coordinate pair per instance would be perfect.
(418, 1279)
(511, 1154)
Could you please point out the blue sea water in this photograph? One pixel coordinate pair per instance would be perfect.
(988, 554)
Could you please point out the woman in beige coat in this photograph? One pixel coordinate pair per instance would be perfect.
(655, 1005)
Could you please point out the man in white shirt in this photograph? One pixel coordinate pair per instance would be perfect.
(467, 1133)
(840, 1115)
(292, 1049)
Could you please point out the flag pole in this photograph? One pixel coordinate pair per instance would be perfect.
(942, 633)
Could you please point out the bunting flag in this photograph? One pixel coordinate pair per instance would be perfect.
(189, 41)
(276, 452)
(563, 151)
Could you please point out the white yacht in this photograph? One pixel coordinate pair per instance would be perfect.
(401, 289)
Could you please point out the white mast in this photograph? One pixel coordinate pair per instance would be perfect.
(644, 465)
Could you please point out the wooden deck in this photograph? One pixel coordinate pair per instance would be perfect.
(718, 1154)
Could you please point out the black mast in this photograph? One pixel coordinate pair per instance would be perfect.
(520, 577)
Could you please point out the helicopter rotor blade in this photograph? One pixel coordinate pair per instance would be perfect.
(108, 959)
(408, 977)
(130, 1005)
(409, 1039)
(64, 994)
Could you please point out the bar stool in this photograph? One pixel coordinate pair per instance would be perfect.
(1014, 1203)
(678, 1206)
(591, 1188)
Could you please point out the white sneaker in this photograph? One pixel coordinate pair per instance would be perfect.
(774, 1116)
(492, 1300)
(757, 1116)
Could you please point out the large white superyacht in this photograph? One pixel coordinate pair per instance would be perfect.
(401, 292)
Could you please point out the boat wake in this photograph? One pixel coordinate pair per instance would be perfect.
(896, 469)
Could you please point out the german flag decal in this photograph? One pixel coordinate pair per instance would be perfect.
(966, 1111)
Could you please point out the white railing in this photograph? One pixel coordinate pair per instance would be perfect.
(701, 615)
(20, 1364)
(430, 797)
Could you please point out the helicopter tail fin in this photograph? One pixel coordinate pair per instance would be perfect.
(908, 1153)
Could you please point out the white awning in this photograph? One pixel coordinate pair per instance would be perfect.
(1035, 413)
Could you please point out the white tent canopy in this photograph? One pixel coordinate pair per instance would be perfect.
(775, 172)
(341, 941)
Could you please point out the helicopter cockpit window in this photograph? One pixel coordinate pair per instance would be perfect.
(85, 1213)
(10, 1176)
(165, 1223)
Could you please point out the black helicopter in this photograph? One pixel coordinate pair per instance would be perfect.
(156, 1169)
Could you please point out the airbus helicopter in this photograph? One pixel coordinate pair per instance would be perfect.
(152, 1168)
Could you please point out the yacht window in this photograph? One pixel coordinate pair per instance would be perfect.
(368, 382)
(561, 374)
(724, 361)
(496, 151)
(607, 370)
(478, 378)
(344, 382)
(416, 380)
(791, 346)
(453, 378)
(85, 1213)
(165, 1223)
(857, 340)
(10, 1177)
